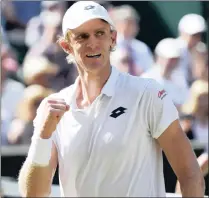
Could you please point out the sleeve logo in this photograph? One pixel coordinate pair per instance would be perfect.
(162, 94)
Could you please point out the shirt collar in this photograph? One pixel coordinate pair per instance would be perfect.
(110, 85)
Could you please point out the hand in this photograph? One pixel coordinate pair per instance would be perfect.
(53, 110)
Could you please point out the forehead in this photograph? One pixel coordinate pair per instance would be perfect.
(91, 26)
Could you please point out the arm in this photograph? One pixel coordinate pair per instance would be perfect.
(180, 155)
(164, 126)
(203, 163)
(35, 181)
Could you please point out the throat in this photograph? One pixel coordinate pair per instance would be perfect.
(90, 86)
(87, 94)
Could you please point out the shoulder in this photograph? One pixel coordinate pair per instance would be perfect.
(154, 89)
(151, 72)
(138, 84)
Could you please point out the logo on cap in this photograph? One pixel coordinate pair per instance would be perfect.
(89, 7)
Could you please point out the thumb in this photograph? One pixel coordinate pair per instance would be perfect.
(67, 108)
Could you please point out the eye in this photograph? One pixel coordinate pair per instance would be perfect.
(82, 36)
(100, 33)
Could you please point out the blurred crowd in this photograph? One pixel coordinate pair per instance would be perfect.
(179, 64)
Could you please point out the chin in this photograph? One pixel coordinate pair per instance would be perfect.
(96, 65)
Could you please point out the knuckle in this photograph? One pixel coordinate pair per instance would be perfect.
(50, 109)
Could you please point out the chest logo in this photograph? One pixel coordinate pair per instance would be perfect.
(117, 112)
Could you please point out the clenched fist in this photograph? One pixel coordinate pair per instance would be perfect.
(51, 113)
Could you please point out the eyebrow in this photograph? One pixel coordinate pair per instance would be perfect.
(99, 29)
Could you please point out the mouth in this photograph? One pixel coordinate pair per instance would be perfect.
(93, 55)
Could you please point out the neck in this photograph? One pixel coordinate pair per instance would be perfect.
(90, 85)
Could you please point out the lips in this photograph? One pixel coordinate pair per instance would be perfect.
(93, 55)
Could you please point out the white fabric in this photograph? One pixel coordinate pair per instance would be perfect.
(83, 11)
(40, 151)
(177, 87)
(100, 155)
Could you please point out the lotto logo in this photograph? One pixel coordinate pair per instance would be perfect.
(117, 112)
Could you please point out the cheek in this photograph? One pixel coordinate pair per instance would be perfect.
(107, 44)
(78, 51)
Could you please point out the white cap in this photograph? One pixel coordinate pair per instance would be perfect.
(168, 48)
(124, 12)
(83, 11)
(192, 24)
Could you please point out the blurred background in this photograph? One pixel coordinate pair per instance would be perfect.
(167, 41)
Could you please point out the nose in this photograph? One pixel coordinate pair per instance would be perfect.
(92, 42)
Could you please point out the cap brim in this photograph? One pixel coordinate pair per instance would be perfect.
(74, 26)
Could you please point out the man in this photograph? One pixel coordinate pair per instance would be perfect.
(106, 130)
(190, 27)
(127, 21)
(165, 71)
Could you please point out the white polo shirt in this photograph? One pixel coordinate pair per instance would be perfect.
(110, 149)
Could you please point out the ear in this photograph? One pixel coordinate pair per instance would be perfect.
(64, 45)
(113, 38)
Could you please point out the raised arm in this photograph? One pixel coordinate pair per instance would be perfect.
(36, 175)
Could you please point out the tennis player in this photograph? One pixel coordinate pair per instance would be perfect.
(106, 132)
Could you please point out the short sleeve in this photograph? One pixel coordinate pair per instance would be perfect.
(38, 119)
(161, 111)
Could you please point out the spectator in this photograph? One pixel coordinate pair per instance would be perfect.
(48, 21)
(127, 24)
(197, 107)
(200, 62)
(11, 90)
(21, 129)
(122, 61)
(9, 17)
(39, 70)
(166, 73)
(46, 28)
(191, 27)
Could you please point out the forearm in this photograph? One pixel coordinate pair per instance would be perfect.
(34, 181)
(193, 187)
